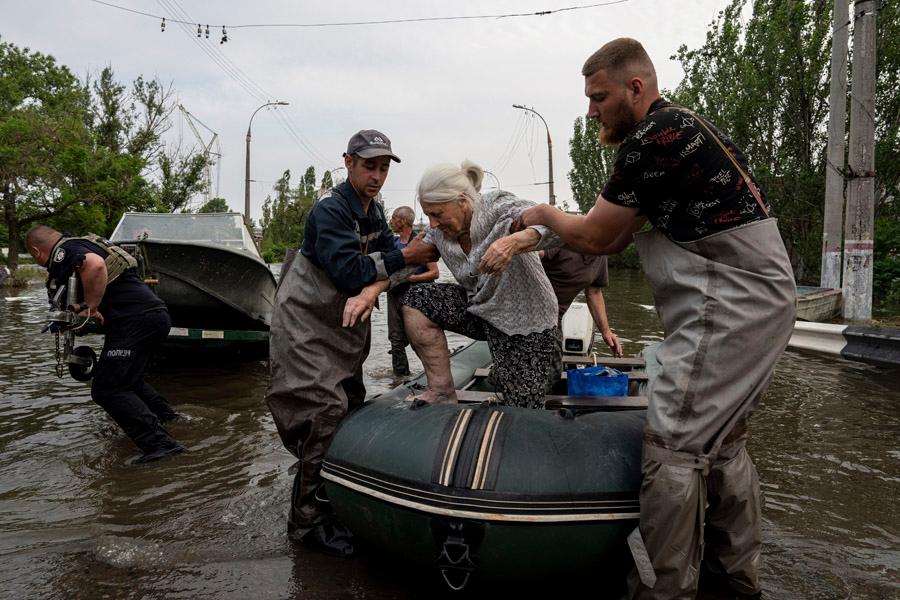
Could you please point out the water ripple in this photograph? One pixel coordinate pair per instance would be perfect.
(210, 523)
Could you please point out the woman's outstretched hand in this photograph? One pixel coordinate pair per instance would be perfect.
(498, 255)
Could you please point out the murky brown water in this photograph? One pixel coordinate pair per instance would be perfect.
(77, 522)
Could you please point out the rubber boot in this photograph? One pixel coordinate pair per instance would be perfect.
(158, 454)
(399, 361)
(331, 538)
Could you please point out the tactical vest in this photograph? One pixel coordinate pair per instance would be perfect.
(117, 260)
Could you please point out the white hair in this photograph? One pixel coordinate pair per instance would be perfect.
(446, 182)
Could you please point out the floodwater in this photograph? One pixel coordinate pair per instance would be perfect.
(77, 522)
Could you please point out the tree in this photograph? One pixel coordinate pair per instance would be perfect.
(887, 123)
(77, 155)
(215, 205)
(180, 178)
(764, 81)
(128, 130)
(284, 216)
(45, 141)
(327, 182)
(592, 163)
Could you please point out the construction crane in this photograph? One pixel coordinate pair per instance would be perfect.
(213, 158)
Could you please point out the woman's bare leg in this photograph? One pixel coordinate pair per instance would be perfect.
(430, 343)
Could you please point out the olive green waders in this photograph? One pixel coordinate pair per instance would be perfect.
(727, 303)
(316, 377)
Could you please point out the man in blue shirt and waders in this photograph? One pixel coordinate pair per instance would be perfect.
(320, 332)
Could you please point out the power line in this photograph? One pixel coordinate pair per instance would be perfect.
(215, 58)
(521, 136)
(257, 91)
(540, 13)
(509, 143)
(240, 77)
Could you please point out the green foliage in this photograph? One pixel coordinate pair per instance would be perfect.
(886, 283)
(592, 163)
(44, 139)
(81, 218)
(887, 105)
(128, 129)
(77, 155)
(626, 259)
(215, 205)
(778, 113)
(180, 178)
(327, 182)
(764, 81)
(284, 215)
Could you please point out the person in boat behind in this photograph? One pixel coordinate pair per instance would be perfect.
(402, 223)
(319, 335)
(571, 272)
(514, 310)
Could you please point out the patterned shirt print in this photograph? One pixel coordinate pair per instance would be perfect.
(680, 178)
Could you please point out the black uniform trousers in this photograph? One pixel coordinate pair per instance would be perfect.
(118, 385)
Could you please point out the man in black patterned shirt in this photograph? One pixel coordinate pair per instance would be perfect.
(725, 294)
(673, 170)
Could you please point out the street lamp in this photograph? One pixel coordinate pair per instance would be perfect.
(247, 170)
(320, 193)
(549, 150)
(334, 173)
(496, 179)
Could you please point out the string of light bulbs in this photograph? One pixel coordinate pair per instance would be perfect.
(204, 31)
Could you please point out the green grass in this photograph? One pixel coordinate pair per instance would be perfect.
(24, 275)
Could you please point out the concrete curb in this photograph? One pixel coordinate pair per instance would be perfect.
(872, 345)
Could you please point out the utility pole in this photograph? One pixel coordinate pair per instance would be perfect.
(859, 228)
(247, 169)
(549, 149)
(834, 167)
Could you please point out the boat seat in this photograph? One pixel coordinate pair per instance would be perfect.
(638, 376)
(626, 363)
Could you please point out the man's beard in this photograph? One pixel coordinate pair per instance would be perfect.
(609, 137)
(623, 123)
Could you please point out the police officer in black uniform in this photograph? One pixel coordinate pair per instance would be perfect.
(135, 322)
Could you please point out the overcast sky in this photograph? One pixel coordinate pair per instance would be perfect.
(442, 91)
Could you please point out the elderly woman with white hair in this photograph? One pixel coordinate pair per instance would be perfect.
(502, 295)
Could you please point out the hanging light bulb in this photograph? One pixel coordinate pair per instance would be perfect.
(224, 36)
(207, 32)
(199, 33)
(162, 26)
